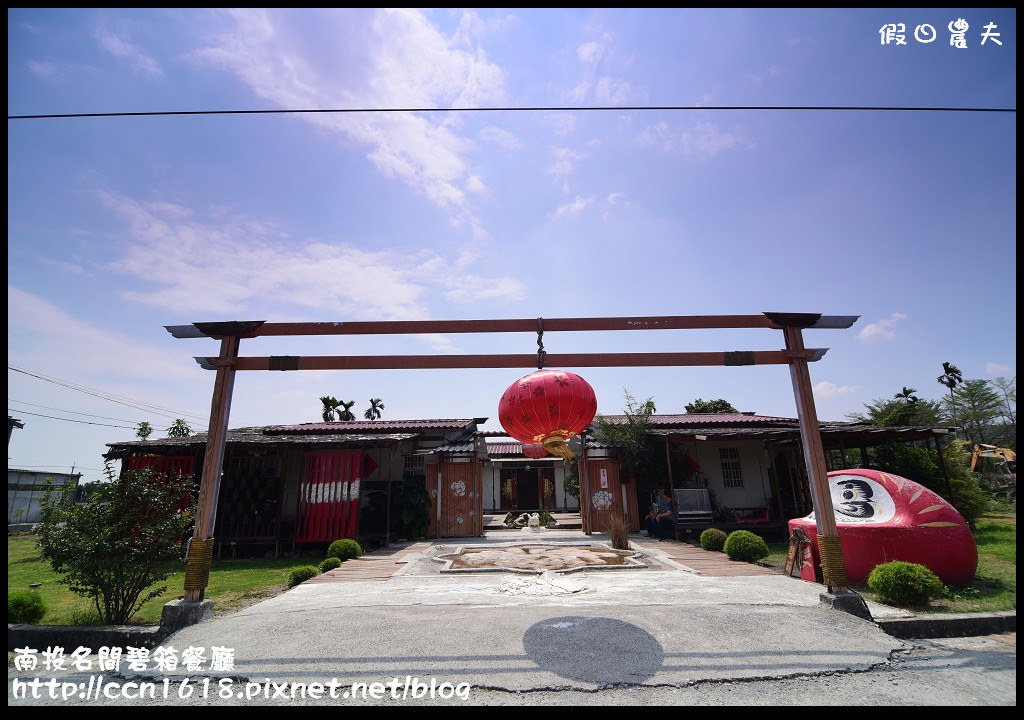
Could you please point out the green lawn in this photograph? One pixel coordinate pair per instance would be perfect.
(995, 582)
(233, 585)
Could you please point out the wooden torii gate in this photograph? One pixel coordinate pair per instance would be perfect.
(228, 362)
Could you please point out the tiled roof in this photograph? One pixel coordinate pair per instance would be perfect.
(254, 435)
(368, 426)
(504, 448)
(706, 419)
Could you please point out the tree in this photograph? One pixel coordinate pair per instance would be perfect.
(638, 453)
(330, 407)
(119, 541)
(144, 430)
(179, 428)
(346, 414)
(896, 412)
(1008, 389)
(699, 406)
(907, 395)
(980, 406)
(373, 412)
(951, 377)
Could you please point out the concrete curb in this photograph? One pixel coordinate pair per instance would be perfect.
(952, 625)
(71, 637)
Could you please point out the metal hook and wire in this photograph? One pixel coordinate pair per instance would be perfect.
(540, 343)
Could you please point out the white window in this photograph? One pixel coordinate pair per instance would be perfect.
(414, 464)
(732, 474)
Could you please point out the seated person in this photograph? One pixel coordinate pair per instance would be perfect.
(661, 518)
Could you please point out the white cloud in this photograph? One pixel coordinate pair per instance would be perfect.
(826, 389)
(378, 58)
(47, 333)
(124, 50)
(616, 198)
(575, 207)
(475, 185)
(881, 330)
(701, 141)
(996, 369)
(502, 138)
(45, 70)
(565, 161)
(561, 123)
(227, 266)
(612, 91)
(590, 52)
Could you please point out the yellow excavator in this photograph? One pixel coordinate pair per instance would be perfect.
(999, 465)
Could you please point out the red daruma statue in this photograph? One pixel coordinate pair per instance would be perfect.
(883, 517)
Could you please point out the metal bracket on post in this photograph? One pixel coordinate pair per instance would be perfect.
(540, 343)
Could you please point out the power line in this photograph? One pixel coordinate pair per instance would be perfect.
(83, 422)
(119, 399)
(622, 108)
(67, 465)
(48, 407)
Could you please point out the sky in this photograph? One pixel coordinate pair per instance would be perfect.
(118, 226)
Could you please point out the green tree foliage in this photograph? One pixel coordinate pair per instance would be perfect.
(979, 407)
(346, 412)
(119, 542)
(179, 428)
(571, 480)
(950, 377)
(330, 407)
(144, 430)
(699, 406)
(638, 453)
(898, 412)
(373, 412)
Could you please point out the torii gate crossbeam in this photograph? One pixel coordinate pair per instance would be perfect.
(795, 355)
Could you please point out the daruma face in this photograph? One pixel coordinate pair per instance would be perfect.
(882, 517)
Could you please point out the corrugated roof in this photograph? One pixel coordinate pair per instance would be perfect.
(369, 426)
(705, 419)
(254, 435)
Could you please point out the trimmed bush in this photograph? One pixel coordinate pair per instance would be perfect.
(745, 545)
(344, 550)
(330, 564)
(301, 574)
(25, 607)
(713, 539)
(904, 583)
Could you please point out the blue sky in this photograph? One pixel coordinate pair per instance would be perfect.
(119, 226)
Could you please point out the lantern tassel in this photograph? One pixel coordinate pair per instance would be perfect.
(557, 446)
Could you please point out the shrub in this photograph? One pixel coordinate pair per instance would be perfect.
(25, 606)
(618, 531)
(118, 544)
(344, 550)
(904, 583)
(329, 564)
(301, 574)
(745, 545)
(713, 539)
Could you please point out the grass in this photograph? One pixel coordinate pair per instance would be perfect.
(234, 584)
(995, 581)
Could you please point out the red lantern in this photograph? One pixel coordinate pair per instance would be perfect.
(547, 408)
(535, 451)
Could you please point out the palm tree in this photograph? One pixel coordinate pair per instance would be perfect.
(373, 412)
(346, 414)
(951, 377)
(907, 394)
(330, 407)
